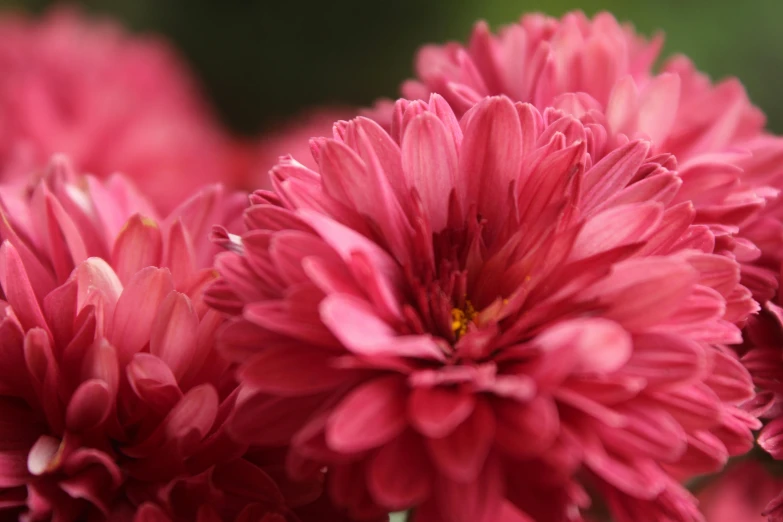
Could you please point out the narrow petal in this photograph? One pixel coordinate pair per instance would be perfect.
(174, 333)
(137, 309)
(491, 155)
(138, 246)
(430, 165)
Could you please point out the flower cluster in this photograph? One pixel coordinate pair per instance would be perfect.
(540, 287)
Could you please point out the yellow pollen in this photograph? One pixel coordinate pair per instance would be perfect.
(149, 222)
(461, 318)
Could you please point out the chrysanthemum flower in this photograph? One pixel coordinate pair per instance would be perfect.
(112, 102)
(113, 398)
(730, 167)
(476, 319)
(739, 494)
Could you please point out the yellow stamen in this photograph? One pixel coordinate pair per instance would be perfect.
(461, 318)
(149, 222)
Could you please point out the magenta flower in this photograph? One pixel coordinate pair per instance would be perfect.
(109, 101)
(731, 169)
(485, 318)
(113, 397)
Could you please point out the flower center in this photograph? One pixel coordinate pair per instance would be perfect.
(461, 318)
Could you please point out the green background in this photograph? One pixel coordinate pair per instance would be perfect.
(263, 61)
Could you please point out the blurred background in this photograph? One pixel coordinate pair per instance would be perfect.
(263, 61)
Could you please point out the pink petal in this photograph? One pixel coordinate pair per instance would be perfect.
(18, 290)
(395, 486)
(658, 106)
(137, 309)
(598, 345)
(430, 165)
(40, 276)
(461, 455)
(648, 433)
(180, 255)
(89, 485)
(664, 359)
(96, 279)
(618, 226)
(348, 178)
(89, 406)
(729, 378)
(186, 425)
(174, 332)
(525, 430)
(640, 477)
(149, 512)
(84, 458)
(634, 292)
(354, 322)
(476, 501)
(345, 241)
(138, 246)
(437, 411)
(491, 155)
(66, 245)
(612, 173)
(100, 362)
(771, 438)
(623, 106)
(369, 416)
(153, 382)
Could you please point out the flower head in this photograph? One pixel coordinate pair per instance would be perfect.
(110, 101)
(486, 317)
(112, 396)
(731, 169)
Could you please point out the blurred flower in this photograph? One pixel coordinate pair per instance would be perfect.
(740, 494)
(480, 319)
(290, 139)
(762, 355)
(110, 101)
(732, 170)
(113, 398)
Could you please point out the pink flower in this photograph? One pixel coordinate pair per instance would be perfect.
(113, 398)
(110, 101)
(290, 139)
(762, 355)
(485, 318)
(732, 170)
(739, 494)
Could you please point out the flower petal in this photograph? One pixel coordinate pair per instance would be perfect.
(369, 416)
